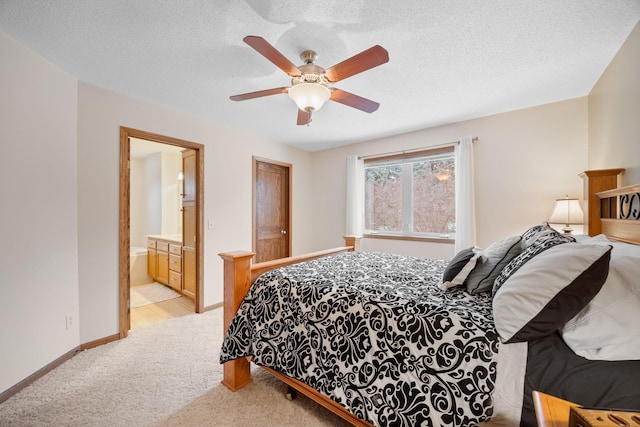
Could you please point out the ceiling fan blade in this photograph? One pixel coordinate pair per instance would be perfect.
(272, 54)
(354, 101)
(304, 117)
(258, 94)
(365, 60)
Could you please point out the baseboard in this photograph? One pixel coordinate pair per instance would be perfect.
(213, 307)
(101, 341)
(38, 374)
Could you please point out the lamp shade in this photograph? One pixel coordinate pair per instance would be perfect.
(309, 96)
(567, 211)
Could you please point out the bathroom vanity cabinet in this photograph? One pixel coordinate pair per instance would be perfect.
(165, 261)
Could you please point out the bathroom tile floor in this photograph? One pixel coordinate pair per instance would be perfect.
(151, 314)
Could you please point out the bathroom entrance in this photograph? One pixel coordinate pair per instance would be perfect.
(161, 199)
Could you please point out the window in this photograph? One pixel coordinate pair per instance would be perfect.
(411, 195)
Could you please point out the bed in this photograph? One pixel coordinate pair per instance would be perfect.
(381, 339)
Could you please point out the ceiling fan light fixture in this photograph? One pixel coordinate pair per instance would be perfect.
(309, 96)
(312, 85)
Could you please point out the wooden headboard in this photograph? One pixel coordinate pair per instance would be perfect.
(610, 209)
(595, 181)
(620, 213)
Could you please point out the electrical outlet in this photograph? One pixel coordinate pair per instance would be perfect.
(69, 321)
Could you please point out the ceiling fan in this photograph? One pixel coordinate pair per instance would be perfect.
(310, 83)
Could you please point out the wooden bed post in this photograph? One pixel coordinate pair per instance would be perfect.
(353, 241)
(237, 279)
(239, 274)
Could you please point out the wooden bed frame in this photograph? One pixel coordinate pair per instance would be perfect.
(603, 204)
(239, 274)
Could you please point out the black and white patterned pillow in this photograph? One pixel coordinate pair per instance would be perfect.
(545, 239)
(533, 233)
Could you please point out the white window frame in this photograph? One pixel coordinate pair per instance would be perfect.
(406, 160)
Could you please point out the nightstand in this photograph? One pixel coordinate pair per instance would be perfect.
(551, 411)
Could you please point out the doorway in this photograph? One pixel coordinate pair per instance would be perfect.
(271, 209)
(195, 203)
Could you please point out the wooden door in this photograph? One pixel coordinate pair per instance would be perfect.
(189, 272)
(189, 245)
(189, 175)
(189, 224)
(271, 211)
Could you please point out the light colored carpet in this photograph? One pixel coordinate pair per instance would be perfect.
(164, 375)
(150, 294)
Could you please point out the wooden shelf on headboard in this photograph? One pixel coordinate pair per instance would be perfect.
(629, 189)
(596, 181)
(620, 213)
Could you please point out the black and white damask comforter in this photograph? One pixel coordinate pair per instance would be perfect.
(374, 333)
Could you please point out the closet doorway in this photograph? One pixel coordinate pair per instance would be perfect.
(171, 240)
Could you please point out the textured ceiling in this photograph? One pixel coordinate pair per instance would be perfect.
(449, 60)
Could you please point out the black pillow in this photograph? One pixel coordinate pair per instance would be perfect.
(456, 264)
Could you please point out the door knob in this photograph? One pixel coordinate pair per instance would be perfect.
(283, 231)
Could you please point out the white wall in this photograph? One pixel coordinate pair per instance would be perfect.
(228, 162)
(138, 220)
(153, 193)
(155, 196)
(614, 109)
(170, 209)
(524, 160)
(38, 255)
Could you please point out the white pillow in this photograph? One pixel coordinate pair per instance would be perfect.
(608, 328)
(581, 238)
(548, 290)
